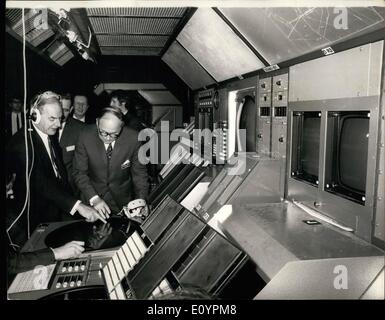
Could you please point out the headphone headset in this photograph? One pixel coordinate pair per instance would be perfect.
(35, 114)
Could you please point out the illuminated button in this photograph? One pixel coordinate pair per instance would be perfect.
(64, 269)
(79, 283)
(139, 243)
(119, 292)
(108, 279)
(129, 256)
(134, 249)
(82, 267)
(58, 285)
(72, 284)
(113, 295)
(156, 291)
(125, 265)
(69, 268)
(164, 285)
(76, 268)
(113, 273)
(65, 284)
(118, 267)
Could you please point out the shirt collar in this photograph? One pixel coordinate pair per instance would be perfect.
(42, 135)
(80, 119)
(107, 144)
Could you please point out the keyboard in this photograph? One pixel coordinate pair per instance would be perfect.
(36, 279)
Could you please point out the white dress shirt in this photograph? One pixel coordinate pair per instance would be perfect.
(16, 121)
(44, 137)
(61, 129)
(83, 119)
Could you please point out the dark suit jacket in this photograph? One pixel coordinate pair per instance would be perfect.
(90, 116)
(20, 262)
(68, 141)
(51, 199)
(116, 183)
(8, 124)
(133, 122)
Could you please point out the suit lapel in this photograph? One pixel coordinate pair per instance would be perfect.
(42, 152)
(99, 148)
(120, 146)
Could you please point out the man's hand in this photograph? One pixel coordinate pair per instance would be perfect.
(90, 214)
(102, 207)
(100, 235)
(70, 250)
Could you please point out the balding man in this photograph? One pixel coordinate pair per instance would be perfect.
(106, 168)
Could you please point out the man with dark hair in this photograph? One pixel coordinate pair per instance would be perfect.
(13, 117)
(121, 100)
(106, 167)
(68, 136)
(50, 198)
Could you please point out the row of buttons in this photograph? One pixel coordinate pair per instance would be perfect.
(124, 260)
(73, 266)
(71, 281)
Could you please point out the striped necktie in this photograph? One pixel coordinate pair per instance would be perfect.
(53, 158)
(109, 151)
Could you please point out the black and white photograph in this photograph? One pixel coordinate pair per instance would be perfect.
(219, 152)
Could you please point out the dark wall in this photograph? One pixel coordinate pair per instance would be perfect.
(41, 74)
(131, 69)
(79, 75)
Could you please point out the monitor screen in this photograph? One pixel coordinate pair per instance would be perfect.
(310, 145)
(353, 152)
(306, 141)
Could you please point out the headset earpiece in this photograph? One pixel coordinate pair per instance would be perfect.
(35, 115)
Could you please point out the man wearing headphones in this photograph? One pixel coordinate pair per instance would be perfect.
(106, 167)
(50, 197)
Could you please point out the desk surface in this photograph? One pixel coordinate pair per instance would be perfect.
(275, 234)
(340, 278)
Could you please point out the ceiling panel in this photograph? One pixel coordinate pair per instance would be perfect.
(133, 25)
(144, 12)
(184, 65)
(217, 48)
(159, 97)
(65, 58)
(36, 37)
(13, 15)
(121, 51)
(280, 34)
(131, 40)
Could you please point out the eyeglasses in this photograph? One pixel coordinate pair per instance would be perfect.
(105, 134)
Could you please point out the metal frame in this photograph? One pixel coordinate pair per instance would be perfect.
(349, 213)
